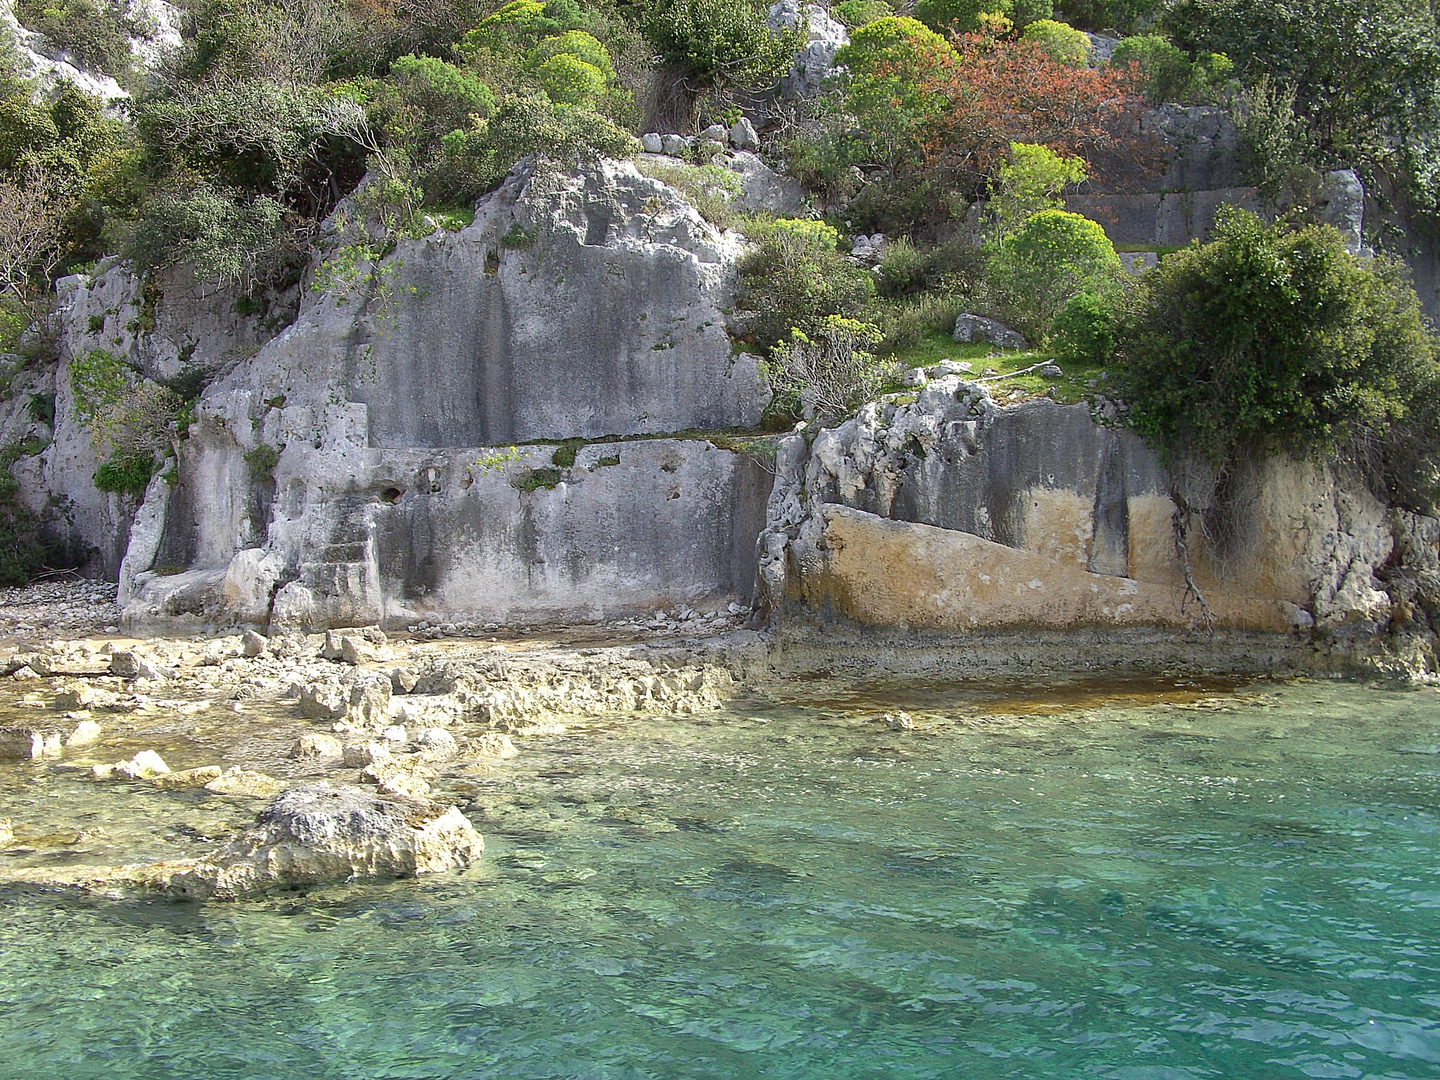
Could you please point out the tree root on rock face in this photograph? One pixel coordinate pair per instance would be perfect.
(1179, 527)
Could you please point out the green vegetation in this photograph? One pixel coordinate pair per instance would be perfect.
(229, 157)
(1270, 339)
(1051, 258)
(795, 279)
(1170, 73)
(261, 462)
(1061, 42)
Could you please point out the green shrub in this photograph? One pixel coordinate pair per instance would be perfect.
(1170, 74)
(573, 68)
(961, 15)
(1084, 331)
(1052, 257)
(827, 375)
(31, 542)
(261, 462)
(1115, 16)
(1276, 148)
(478, 157)
(906, 321)
(1268, 340)
(96, 34)
(795, 278)
(228, 238)
(716, 45)
(1032, 178)
(130, 420)
(902, 270)
(1061, 42)
(125, 475)
(887, 61)
(1024, 12)
(858, 13)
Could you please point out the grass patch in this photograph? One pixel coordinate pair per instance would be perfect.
(535, 479)
(452, 218)
(564, 455)
(936, 345)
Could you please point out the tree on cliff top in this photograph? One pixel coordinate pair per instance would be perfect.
(1271, 340)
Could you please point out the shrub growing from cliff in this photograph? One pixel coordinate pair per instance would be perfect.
(795, 279)
(827, 375)
(1272, 340)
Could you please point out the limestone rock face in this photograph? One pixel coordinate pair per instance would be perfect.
(815, 62)
(577, 305)
(957, 514)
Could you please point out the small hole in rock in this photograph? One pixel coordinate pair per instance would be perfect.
(391, 495)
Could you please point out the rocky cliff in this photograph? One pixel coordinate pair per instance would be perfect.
(356, 467)
(952, 515)
(532, 419)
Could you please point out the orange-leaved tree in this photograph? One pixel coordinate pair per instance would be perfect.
(994, 92)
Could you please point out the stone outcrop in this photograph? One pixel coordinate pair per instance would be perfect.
(354, 470)
(308, 835)
(955, 514)
(824, 37)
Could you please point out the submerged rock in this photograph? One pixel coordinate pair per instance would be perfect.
(308, 835)
(238, 781)
(317, 744)
(189, 778)
(146, 765)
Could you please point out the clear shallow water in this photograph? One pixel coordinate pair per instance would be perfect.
(1105, 885)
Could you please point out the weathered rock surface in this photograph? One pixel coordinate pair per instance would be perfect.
(308, 835)
(815, 62)
(957, 515)
(976, 329)
(576, 306)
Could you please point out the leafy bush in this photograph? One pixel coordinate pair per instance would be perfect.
(1273, 340)
(1170, 74)
(886, 61)
(795, 278)
(131, 420)
(829, 374)
(1052, 257)
(478, 157)
(710, 45)
(960, 15)
(95, 34)
(444, 94)
(1063, 44)
(1024, 12)
(858, 13)
(902, 270)
(1276, 148)
(1031, 179)
(1115, 16)
(125, 475)
(942, 117)
(1084, 331)
(227, 238)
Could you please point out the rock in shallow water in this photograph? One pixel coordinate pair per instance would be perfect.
(308, 835)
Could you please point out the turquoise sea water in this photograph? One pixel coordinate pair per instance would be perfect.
(1144, 882)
